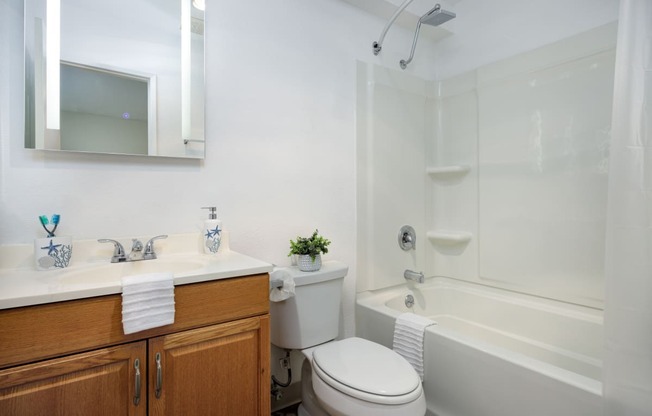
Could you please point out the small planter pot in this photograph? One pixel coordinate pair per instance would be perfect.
(306, 264)
(52, 252)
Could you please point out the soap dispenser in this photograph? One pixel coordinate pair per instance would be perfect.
(212, 231)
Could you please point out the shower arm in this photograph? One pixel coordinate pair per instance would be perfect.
(378, 45)
(405, 62)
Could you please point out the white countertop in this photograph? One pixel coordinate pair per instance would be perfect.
(92, 274)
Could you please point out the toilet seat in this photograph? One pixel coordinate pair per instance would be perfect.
(367, 371)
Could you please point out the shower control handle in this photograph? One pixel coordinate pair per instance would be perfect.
(407, 238)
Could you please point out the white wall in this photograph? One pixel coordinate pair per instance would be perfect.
(280, 152)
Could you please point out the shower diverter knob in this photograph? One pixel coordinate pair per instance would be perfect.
(407, 238)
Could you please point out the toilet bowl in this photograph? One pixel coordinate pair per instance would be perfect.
(349, 377)
(358, 377)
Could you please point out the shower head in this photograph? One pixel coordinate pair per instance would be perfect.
(437, 16)
(434, 17)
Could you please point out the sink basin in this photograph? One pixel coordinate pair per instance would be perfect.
(115, 271)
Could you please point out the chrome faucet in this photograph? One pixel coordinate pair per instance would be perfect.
(412, 275)
(138, 251)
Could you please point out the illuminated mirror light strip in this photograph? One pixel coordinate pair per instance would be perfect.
(185, 69)
(53, 53)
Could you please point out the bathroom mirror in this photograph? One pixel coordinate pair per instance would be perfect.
(118, 77)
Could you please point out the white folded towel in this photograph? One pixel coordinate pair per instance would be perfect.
(408, 339)
(147, 301)
(287, 289)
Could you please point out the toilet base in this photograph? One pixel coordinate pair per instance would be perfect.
(309, 405)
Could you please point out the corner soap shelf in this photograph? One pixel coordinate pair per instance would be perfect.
(449, 237)
(440, 171)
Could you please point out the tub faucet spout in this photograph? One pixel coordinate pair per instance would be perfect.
(415, 276)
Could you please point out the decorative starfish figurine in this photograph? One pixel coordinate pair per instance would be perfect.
(52, 248)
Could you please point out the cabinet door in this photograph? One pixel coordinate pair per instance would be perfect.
(101, 382)
(217, 370)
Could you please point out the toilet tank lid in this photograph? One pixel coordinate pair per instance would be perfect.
(330, 270)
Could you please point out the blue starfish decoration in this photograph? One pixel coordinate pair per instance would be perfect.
(212, 233)
(52, 248)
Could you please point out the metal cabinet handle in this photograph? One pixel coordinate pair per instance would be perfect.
(137, 389)
(159, 376)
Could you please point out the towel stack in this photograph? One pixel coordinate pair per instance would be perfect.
(408, 338)
(147, 301)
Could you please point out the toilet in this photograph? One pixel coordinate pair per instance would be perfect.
(349, 377)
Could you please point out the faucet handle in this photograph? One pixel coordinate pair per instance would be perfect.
(149, 253)
(118, 250)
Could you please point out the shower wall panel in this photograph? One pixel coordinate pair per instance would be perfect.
(452, 191)
(391, 123)
(541, 125)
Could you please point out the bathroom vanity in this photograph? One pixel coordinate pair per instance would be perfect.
(71, 357)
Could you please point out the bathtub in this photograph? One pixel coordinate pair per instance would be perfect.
(494, 352)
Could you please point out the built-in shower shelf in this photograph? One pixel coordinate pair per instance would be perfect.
(449, 237)
(448, 170)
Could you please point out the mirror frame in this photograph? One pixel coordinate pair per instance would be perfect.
(42, 84)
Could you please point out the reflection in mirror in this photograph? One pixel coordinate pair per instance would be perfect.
(120, 76)
(106, 111)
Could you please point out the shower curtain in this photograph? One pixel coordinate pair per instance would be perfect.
(628, 298)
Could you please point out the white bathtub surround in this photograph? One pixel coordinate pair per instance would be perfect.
(392, 125)
(502, 171)
(409, 331)
(628, 309)
(495, 352)
(516, 171)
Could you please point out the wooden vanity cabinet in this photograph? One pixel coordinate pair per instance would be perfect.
(209, 371)
(214, 360)
(100, 382)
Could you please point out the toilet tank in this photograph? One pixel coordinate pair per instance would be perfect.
(312, 315)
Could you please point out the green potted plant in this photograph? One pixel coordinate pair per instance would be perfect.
(308, 251)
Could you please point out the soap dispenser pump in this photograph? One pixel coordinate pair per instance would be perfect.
(212, 231)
